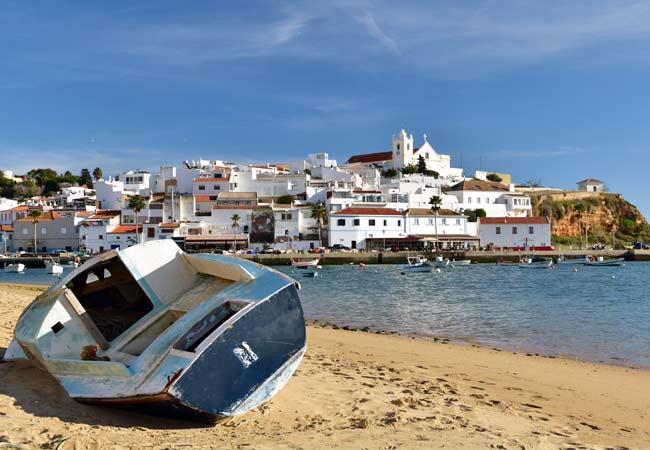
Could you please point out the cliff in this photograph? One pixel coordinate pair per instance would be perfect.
(605, 216)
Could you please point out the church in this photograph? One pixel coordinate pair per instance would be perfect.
(403, 153)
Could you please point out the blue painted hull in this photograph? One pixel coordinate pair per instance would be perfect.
(236, 369)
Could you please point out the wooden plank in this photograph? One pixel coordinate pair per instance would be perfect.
(85, 319)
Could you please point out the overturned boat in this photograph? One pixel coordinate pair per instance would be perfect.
(200, 336)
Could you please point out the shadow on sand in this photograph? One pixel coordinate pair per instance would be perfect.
(38, 393)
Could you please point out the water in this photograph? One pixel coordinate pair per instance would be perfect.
(597, 313)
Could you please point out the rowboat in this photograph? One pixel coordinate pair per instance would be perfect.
(15, 268)
(197, 336)
(535, 263)
(600, 261)
(300, 264)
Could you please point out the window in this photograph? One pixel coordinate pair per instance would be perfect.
(216, 187)
(469, 200)
(457, 221)
(63, 230)
(399, 223)
(24, 230)
(530, 230)
(101, 237)
(498, 230)
(514, 230)
(430, 221)
(340, 222)
(478, 199)
(444, 221)
(151, 232)
(286, 216)
(43, 230)
(416, 221)
(385, 222)
(371, 222)
(201, 187)
(356, 222)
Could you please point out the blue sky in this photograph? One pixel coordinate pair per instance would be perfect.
(550, 90)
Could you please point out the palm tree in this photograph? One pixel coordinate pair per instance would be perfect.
(136, 203)
(35, 214)
(319, 213)
(579, 209)
(235, 225)
(97, 173)
(435, 203)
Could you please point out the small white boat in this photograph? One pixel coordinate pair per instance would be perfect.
(562, 260)
(503, 262)
(417, 264)
(53, 268)
(310, 274)
(600, 261)
(300, 264)
(460, 262)
(440, 262)
(535, 263)
(15, 268)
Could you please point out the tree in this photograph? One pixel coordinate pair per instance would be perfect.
(84, 178)
(235, 225)
(97, 174)
(51, 186)
(422, 165)
(319, 214)
(35, 214)
(580, 209)
(534, 183)
(474, 214)
(137, 204)
(409, 169)
(436, 203)
(390, 173)
(41, 176)
(494, 177)
(285, 199)
(308, 172)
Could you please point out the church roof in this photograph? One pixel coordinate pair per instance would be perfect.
(589, 180)
(479, 185)
(370, 157)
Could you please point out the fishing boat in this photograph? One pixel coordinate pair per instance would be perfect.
(53, 267)
(600, 261)
(562, 260)
(300, 264)
(535, 263)
(417, 264)
(198, 336)
(15, 268)
(460, 262)
(440, 263)
(503, 262)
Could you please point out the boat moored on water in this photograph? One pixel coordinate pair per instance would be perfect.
(562, 260)
(460, 262)
(600, 261)
(528, 262)
(417, 264)
(15, 268)
(199, 336)
(53, 267)
(440, 262)
(300, 264)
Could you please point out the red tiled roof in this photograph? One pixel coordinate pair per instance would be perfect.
(514, 220)
(589, 180)
(368, 212)
(203, 198)
(429, 212)
(366, 192)
(170, 225)
(20, 208)
(121, 229)
(479, 185)
(48, 215)
(108, 214)
(370, 157)
(234, 206)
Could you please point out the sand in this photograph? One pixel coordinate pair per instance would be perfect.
(358, 390)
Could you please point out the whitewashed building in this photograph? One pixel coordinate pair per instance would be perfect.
(591, 185)
(453, 231)
(351, 227)
(523, 233)
(496, 199)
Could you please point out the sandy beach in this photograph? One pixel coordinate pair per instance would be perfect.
(358, 390)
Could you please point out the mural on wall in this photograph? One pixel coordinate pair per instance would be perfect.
(262, 222)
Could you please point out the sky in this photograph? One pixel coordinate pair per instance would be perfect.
(549, 90)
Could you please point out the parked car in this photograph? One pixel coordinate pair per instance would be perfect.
(339, 248)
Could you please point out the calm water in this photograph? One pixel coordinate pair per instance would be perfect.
(597, 313)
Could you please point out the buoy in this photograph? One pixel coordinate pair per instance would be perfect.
(362, 264)
(319, 267)
(438, 270)
(613, 276)
(575, 269)
(351, 263)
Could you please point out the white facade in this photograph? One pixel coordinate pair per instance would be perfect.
(514, 232)
(591, 185)
(423, 222)
(137, 181)
(495, 199)
(6, 203)
(109, 194)
(352, 226)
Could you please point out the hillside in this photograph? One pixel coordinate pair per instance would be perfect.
(606, 216)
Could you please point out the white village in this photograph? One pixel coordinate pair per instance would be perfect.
(407, 198)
